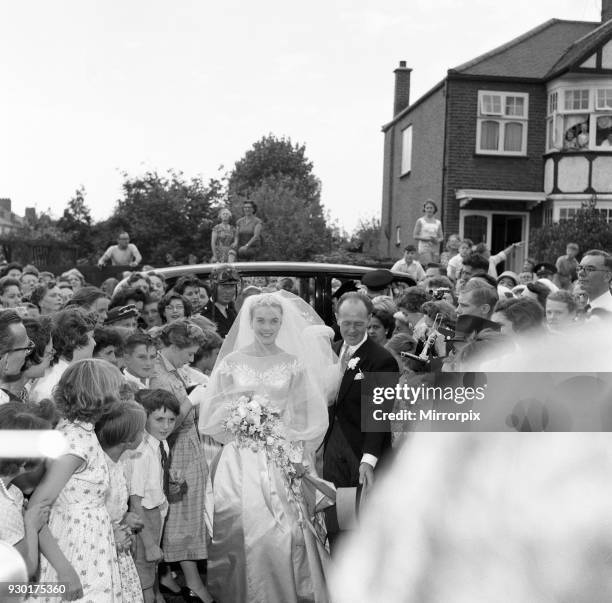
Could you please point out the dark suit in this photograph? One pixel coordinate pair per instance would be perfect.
(345, 442)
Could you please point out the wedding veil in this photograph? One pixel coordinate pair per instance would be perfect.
(305, 337)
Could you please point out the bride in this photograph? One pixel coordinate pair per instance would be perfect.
(267, 402)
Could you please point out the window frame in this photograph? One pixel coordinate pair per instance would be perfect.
(503, 119)
(406, 162)
(586, 109)
(560, 120)
(606, 91)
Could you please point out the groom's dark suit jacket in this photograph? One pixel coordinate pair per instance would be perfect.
(347, 412)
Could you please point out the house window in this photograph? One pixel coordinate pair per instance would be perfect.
(552, 102)
(475, 228)
(568, 213)
(576, 100)
(398, 236)
(603, 132)
(406, 150)
(548, 215)
(604, 99)
(583, 123)
(502, 123)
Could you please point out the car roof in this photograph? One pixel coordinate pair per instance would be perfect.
(278, 269)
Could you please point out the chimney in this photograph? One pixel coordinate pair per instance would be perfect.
(606, 10)
(30, 215)
(402, 85)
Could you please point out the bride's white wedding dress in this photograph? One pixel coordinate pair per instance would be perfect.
(264, 547)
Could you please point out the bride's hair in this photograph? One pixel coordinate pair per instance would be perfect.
(265, 300)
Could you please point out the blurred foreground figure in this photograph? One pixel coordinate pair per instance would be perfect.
(486, 517)
(504, 517)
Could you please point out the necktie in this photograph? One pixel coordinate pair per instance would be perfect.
(344, 360)
(165, 468)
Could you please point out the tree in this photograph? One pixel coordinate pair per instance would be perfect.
(166, 215)
(589, 229)
(293, 229)
(366, 238)
(277, 176)
(274, 158)
(76, 224)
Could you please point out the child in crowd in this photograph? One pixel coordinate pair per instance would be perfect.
(139, 359)
(566, 267)
(452, 249)
(148, 484)
(453, 268)
(109, 344)
(78, 544)
(119, 430)
(409, 264)
(17, 528)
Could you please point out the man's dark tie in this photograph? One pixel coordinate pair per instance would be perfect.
(165, 468)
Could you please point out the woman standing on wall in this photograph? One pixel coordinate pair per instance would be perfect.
(248, 233)
(428, 233)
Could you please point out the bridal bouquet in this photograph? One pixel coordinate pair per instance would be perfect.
(256, 424)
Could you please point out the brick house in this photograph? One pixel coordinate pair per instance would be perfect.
(515, 138)
(9, 221)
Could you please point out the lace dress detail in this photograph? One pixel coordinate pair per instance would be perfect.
(275, 380)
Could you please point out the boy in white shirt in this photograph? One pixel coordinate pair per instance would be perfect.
(147, 475)
(409, 264)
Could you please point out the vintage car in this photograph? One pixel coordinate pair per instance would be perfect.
(313, 280)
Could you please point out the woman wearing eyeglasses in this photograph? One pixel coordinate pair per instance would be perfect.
(173, 307)
(39, 355)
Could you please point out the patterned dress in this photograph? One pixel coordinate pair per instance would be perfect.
(226, 233)
(81, 524)
(117, 506)
(185, 533)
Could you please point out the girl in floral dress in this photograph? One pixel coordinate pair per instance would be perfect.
(78, 544)
(119, 431)
(222, 239)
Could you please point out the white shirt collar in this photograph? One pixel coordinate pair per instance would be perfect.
(602, 301)
(353, 348)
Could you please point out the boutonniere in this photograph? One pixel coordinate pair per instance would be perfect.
(352, 363)
(359, 376)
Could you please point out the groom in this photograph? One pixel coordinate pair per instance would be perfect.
(351, 455)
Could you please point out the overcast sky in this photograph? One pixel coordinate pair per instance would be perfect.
(91, 89)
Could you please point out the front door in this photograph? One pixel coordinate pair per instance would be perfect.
(498, 231)
(505, 230)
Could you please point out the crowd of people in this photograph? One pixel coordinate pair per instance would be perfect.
(208, 421)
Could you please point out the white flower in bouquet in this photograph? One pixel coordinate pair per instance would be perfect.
(253, 419)
(254, 407)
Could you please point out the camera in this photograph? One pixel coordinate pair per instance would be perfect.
(439, 293)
